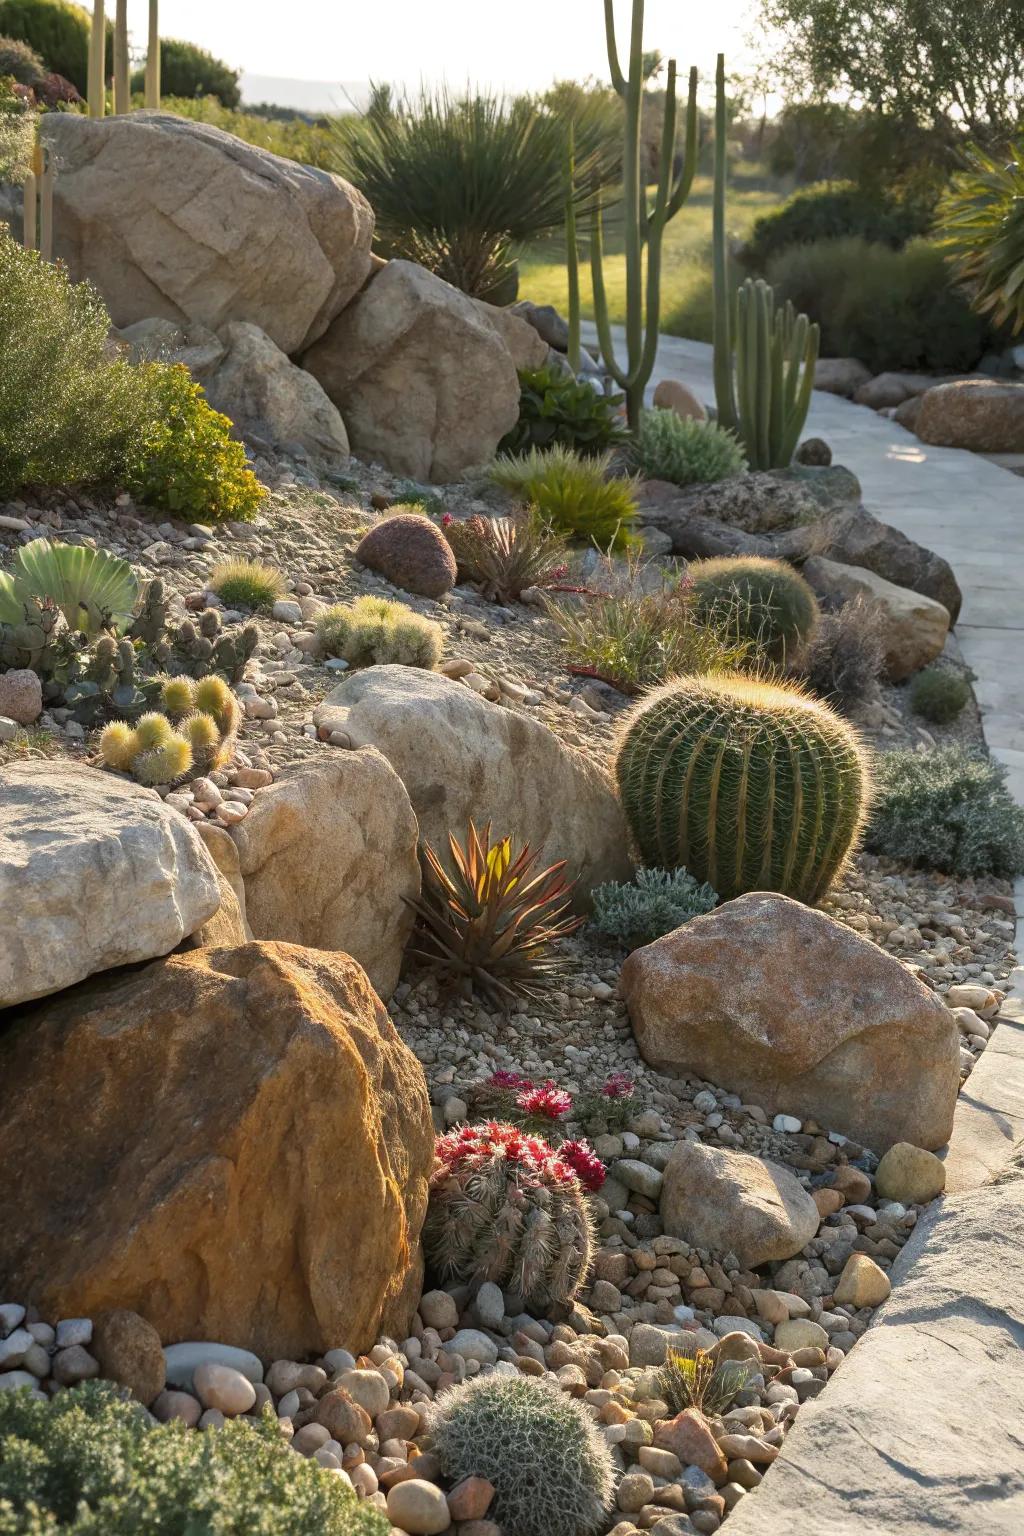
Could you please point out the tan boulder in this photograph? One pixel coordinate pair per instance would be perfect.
(460, 756)
(220, 845)
(862, 1283)
(95, 872)
(672, 395)
(796, 1012)
(237, 1147)
(129, 1352)
(527, 348)
(176, 219)
(910, 1174)
(913, 627)
(731, 1202)
(986, 415)
(266, 395)
(328, 856)
(424, 381)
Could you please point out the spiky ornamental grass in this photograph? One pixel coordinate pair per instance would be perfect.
(699, 1381)
(373, 631)
(246, 583)
(577, 496)
(766, 603)
(490, 925)
(552, 1472)
(684, 451)
(947, 810)
(749, 785)
(506, 1206)
(505, 555)
(654, 903)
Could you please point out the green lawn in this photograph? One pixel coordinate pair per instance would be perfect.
(686, 258)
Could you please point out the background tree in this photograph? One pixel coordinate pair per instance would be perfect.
(186, 70)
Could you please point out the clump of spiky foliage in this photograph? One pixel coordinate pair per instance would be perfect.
(246, 583)
(939, 694)
(505, 555)
(491, 924)
(551, 1468)
(685, 451)
(749, 785)
(764, 602)
(948, 810)
(700, 1381)
(577, 496)
(505, 1206)
(631, 637)
(653, 903)
(373, 631)
(845, 656)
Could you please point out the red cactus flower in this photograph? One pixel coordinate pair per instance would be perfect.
(584, 1162)
(618, 1086)
(447, 520)
(547, 1101)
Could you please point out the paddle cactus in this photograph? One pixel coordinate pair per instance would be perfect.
(748, 785)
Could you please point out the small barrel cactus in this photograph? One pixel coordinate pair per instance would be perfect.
(748, 785)
(507, 1207)
(411, 552)
(765, 603)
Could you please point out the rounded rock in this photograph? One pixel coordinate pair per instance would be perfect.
(221, 1387)
(800, 1333)
(129, 1352)
(418, 1507)
(411, 552)
(910, 1175)
(367, 1388)
(170, 1405)
(438, 1310)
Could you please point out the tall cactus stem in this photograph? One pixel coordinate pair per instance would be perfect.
(572, 258)
(153, 56)
(46, 179)
(97, 61)
(122, 67)
(722, 303)
(29, 236)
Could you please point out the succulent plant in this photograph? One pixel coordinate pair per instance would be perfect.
(153, 752)
(491, 924)
(92, 588)
(176, 697)
(748, 785)
(505, 1206)
(195, 730)
(655, 902)
(765, 603)
(409, 551)
(505, 555)
(373, 631)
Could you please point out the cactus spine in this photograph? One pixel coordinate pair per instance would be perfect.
(644, 225)
(763, 602)
(97, 89)
(152, 97)
(764, 358)
(122, 66)
(748, 785)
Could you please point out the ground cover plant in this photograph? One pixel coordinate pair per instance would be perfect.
(653, 903)
(667, 446)
(947, 809)
(939, 694)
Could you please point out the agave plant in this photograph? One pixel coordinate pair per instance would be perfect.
(491, 925)
(505, 555)
(93, 589)
(981, 220)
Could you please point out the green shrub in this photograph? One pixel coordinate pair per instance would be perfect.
(845, 656)
(830, 212)
(947, 810)
(185, 460)
(186, 70)
(88, 1462)
(551, 1469)
(244, 583)
(981, 220)
(67, 415)
(750, 786)
(17, 134)
(684, 451)
(654, 902)
(19, 61)
(939, 694)
(555, 407)
(891, 309)
(766, 603)
(374, 632)
(575, 495)
(58, 30)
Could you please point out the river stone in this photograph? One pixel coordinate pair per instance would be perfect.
(461, 757)
(986, 415)
(797, 1013)
(182, 1360)
(95, 872)
(239, 1145)
(128, 1350)
(21, 695)
(268, 396)
(328, 855)
(910, 1175)
(840, 375)
(913, 627)
(732, 1202)
(177, 219)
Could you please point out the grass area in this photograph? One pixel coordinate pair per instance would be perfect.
(686, 256)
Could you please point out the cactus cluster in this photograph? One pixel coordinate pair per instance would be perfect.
(764, 603)
(748, 785)
(194, 731)
(505, 1206)
(200, 648)
(375, 632)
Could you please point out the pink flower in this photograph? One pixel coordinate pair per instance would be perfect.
(618, 1086)
(547, 1100)
(447, 520)
(584, 1162)
(558, 573)
(506, 1079)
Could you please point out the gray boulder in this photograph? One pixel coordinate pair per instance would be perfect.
(269, 397)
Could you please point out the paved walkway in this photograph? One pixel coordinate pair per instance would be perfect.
(964, 508)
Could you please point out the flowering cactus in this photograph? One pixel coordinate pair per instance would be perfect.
(506, 1206)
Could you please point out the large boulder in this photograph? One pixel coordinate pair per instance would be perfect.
(527, 347)
(840, 375)
(793, 1010)
(156, 340)
(174, 218)
(854, 537)
(986, 415)
(913, 627)
(425, 383)
(328, 856)
(731, 1202)
(461, 757)
(765, 502)
(268, 396)
(95, 872)
(234, 1143)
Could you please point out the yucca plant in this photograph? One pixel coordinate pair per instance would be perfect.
(93, 589)
(491, 924)
(981, 222)
(505, 555)
(577, 496)
(700, 1381)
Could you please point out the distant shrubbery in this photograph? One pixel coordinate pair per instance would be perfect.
(58, 30)
(831, 212)
(186, 70)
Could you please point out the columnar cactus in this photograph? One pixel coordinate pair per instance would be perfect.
(122, 64)
(507, 1207)
(97, 86)
(748, 785)
(765, 603)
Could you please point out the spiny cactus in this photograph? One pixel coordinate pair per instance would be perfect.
(176, 697)
(765, 603)
(505, 1206)
(195, 731)
(150, 623)
(373, 631)
(748, 785)
(213, 697)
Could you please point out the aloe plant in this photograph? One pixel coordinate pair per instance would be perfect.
(93, 589)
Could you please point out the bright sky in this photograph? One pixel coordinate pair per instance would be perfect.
(520, 45)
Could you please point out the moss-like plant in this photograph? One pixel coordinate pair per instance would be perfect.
(766, 603)
(749, 785)
(246, 583)
(577, 496)
(948, 810)
(653, 903)
(938, 694)
(552, 1471)
(684, 451)
(373, 631)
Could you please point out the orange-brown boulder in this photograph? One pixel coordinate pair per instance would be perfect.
(234, 1143)
(796, 1012)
